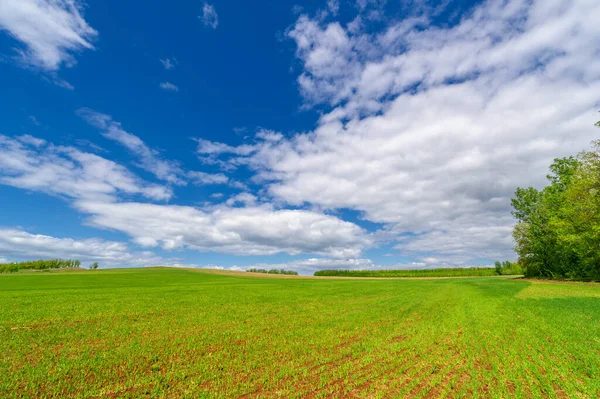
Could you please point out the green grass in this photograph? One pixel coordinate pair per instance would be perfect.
(445, 272)
(177, 333)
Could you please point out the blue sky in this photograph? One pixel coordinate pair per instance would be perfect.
(327, 134)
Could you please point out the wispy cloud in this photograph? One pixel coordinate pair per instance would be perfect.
(34, 120)
(34, 141)
(209, 16)
(149, 159)
(333, 6)
(52, 31)
(207, 178)
(168, 86)
(169, 63)
(33, 164)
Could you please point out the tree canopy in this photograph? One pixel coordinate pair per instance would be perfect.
(558, 228)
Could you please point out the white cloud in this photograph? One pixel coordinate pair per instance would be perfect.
(169, 63)
(242, 198)
(328, 57)
(333, 6)
(207, 178)
(51, 30)
(250, 230)
(432, 129)
(34, 141)
(168, 86)
(149, 159)
(35, 165)
(21, 245)
(209, 16)
(60, 82)
(95, 186)
(207, 147)
(34, 120)
(209, 152)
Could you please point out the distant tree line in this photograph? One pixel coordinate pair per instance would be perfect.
(273, 271)
(38, 265)
(442, 272)
(558, 228)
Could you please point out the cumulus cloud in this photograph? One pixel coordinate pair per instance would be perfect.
(33, 164)
(250, 230)
(431, 129)
(52, 31)
(168, 86)
(21, 245)
(149, 159)
(209, 16)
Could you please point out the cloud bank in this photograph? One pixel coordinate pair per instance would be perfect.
(109, 195)
(431, 129)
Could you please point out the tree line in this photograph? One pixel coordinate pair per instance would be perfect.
(441, 272)
(557, 233)
(273, 271)
(38, 265)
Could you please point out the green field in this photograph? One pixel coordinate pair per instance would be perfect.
(180, 333)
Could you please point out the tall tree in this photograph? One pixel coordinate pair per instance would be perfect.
(558, 228)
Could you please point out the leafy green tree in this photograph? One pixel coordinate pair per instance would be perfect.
(558, 228)
(498, 267)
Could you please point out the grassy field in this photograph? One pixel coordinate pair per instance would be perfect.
(179, 333)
